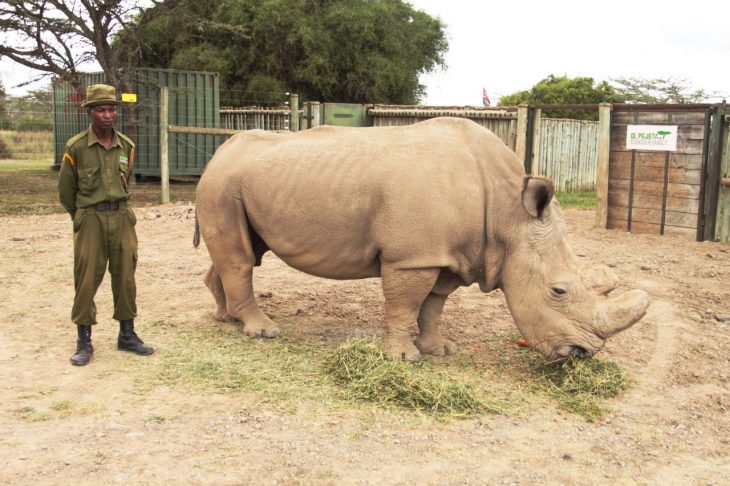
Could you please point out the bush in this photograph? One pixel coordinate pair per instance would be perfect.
(32, 124)
(4, 152)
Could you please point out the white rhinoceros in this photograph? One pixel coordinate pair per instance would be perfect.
(428, 208)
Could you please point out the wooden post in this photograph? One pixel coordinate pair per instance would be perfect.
(604, 152)
(164, 149)
(521, 142)
(535, 163)
(294, 117)
(313, 114)
(714, 167)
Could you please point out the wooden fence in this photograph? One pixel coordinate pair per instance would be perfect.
(564, 150)
(577, 155)
(568, 153)
(255, 118)
(503, 122)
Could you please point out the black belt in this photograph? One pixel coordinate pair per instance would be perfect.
(107, 206)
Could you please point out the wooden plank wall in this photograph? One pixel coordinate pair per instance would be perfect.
(568, 153)
(502, 122)
(656, 192)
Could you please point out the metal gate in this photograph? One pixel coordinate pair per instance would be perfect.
(665, 191)
(194, 102)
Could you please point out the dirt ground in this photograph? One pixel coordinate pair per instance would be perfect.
(95, 425)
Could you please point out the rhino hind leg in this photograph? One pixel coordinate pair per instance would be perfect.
(240, 302)
(234, 254)
(215, 285)
(430, 340)
(405, 292)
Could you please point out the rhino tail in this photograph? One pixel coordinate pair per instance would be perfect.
(196, 235)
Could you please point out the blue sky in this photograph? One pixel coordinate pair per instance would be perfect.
(510, 45)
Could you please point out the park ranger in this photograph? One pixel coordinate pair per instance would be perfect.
(93, 188)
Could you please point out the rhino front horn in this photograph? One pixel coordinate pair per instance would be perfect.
(622, 312)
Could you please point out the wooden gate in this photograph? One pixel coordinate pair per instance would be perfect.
(660, 191)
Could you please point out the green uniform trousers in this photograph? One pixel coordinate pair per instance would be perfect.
(102, 237)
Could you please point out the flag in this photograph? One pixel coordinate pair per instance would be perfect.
(485, 98)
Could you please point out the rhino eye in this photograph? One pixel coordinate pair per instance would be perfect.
(558, 291)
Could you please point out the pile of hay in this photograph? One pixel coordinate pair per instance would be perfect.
(582, 385)
(368, 374)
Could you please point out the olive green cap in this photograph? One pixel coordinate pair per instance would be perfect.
(100, 94)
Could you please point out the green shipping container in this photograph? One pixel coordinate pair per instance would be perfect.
(193, 101)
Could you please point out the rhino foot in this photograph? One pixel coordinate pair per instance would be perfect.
(405, 352)
(436, 347)
(260, 326)
(261, 332)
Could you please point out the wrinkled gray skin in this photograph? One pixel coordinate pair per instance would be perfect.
(428, 208)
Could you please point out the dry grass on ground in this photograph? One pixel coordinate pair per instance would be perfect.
(30, 187)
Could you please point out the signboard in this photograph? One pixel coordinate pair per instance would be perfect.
(129, 97)
(651, 137)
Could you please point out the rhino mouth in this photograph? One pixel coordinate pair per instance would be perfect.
(574, 351)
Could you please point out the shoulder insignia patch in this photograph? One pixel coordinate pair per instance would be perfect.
(67, 156)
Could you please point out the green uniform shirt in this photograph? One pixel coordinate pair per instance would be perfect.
(91, 174)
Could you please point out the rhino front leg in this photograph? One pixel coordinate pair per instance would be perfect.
(404, 291)
(215, 285)
(430, 340)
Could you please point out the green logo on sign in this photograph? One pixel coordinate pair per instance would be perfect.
(664, 133)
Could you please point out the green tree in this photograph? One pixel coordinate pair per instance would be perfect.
(57, 37)
(660, 90)
(32, 111)
(325, 50)
(4, 120)
(565, 90)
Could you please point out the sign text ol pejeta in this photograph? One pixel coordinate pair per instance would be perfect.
(652, 137)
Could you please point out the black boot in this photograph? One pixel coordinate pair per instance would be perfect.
(129, 341)
(84, 349)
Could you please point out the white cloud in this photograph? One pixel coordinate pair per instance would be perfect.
(509, 46)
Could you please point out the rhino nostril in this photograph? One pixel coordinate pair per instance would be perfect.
(579, 352)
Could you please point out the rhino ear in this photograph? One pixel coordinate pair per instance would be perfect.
(537, 192)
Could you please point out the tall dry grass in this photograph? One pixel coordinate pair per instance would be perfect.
(26, 145)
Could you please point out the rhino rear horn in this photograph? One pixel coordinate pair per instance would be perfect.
(599, 279)
(537, 192)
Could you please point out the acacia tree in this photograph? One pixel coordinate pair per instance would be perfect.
(583, 90)
(565, 90)
(660, 90)
(56, 37)
(4, 121)
(32, 111)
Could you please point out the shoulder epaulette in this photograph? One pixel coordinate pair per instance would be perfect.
(126, 139)
(77, 137)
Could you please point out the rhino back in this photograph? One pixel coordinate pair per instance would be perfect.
(336, 201)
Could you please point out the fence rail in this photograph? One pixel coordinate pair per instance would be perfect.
(255, 118)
